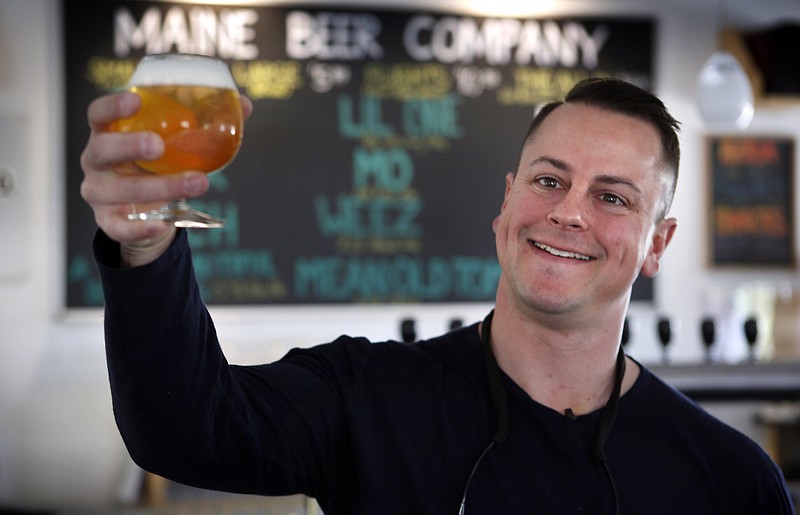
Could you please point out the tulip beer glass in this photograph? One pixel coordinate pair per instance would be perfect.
(192, 102)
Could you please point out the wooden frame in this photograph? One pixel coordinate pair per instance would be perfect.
(751, 214)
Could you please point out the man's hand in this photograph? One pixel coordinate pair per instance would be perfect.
(112, 183)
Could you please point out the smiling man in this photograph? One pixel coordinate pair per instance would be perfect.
(535, 409)
(582, 217)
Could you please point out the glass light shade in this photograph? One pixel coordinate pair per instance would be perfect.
(724, 94)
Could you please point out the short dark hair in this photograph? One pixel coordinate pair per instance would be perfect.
(627, 99)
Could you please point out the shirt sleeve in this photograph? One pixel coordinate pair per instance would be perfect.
(775, 496)
(185, 413)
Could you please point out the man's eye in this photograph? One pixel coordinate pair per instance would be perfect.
(610, 198)
(547, 182)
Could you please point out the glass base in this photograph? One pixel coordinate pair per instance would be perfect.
(180, 213)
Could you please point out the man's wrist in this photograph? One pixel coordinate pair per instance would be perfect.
(146, 252)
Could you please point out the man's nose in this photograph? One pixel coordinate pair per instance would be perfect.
(570, 212)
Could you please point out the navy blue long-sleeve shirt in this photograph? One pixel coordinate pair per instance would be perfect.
(390, 428)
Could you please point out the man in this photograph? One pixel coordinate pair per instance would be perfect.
(536, 409)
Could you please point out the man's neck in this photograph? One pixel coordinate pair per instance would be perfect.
(562, 369)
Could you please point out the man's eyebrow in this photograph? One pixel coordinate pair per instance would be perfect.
(616, 180)
(552, 161)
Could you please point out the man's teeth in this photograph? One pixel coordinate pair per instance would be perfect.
(561, 253)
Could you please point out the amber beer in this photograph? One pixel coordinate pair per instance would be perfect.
(193, 103)
(194, 106)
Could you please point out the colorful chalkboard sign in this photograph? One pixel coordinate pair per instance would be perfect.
(374, 162)
(752, 201)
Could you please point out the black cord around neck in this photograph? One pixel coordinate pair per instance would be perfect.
(496, 388)
(500, 402)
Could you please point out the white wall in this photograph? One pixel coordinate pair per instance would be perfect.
(58, 443)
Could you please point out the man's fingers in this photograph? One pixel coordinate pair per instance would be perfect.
(106, 109)
(115, 189)
(109, 149)
(114, 221)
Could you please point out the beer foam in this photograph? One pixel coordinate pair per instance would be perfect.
(181, 69)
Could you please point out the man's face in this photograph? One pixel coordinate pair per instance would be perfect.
(578, 223)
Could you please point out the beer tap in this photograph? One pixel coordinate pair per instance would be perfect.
(751, 334)
(664, 328)
(708, 332)
(408, 330)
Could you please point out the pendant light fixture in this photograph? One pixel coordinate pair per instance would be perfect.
(724, 92)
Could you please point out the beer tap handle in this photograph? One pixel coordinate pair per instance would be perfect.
(708, 332)
(408, 330)
(751, 334)
(664, 336)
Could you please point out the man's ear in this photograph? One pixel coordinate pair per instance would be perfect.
(662, 235)
(509, 183)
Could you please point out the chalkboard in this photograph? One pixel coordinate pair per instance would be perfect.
(752, 206)
(374, 162)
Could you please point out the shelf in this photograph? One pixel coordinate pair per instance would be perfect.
(733, 41)
(767, 381)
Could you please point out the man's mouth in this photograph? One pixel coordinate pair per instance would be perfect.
(561, 253)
